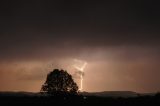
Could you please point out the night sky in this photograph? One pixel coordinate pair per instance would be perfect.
(120, 41)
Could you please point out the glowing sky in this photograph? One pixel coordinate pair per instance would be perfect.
(119, 40)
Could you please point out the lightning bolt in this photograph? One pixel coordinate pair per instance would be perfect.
(81, 69)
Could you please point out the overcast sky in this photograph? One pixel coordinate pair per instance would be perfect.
(119, 40)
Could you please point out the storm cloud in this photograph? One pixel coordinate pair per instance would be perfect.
(118, 39)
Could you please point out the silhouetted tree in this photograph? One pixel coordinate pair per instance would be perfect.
(59, 81)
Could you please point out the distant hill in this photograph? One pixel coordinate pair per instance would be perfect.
(99, 94)
(111, 94)
(19, 94)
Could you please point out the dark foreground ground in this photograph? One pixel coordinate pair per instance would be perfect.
(79, 100)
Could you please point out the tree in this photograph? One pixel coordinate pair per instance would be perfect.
(59, 81)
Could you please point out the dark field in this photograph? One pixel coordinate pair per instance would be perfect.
(80, 100)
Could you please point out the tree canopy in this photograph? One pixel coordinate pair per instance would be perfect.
(59, 81)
